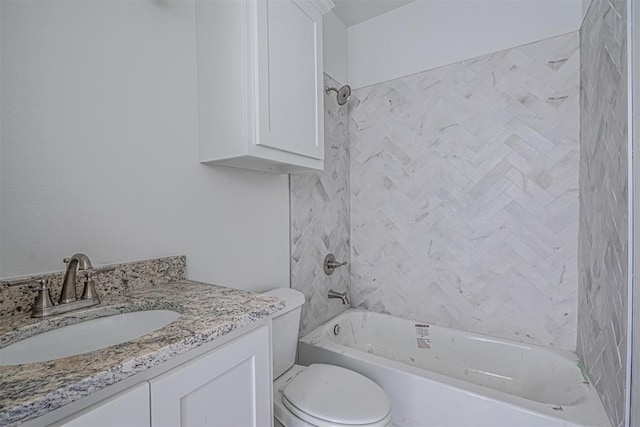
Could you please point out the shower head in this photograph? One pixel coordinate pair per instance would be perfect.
(342, 94)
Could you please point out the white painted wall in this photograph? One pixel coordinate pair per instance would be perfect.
(334, 39)
(430, 33)
(100, 153)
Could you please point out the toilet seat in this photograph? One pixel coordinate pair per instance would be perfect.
(327, 395)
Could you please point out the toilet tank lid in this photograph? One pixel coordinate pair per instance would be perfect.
(291, 297)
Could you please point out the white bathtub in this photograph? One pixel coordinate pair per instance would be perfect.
(436, 376)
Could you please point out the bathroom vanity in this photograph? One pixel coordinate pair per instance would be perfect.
(225, 386)
(211, 366)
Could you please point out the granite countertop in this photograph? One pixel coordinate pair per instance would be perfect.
(208, 312)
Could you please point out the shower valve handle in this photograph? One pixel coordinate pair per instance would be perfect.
(330, 264)
(335, 264)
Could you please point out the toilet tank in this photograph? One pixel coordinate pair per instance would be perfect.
(285, 329)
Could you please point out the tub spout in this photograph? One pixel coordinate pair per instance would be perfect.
(339, 295)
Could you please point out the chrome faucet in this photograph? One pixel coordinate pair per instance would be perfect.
(339, 295)
(74, 263)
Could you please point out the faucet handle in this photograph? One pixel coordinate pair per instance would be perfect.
(43, 300)
(89, 291)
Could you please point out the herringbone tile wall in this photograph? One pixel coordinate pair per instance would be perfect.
(464, 199)
(603, 242)
(320, 221)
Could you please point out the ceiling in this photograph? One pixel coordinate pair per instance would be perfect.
(352, 12)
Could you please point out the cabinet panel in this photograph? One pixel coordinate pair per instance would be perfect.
(222, 31)
(289, 70)
(230, 386)
(129, 408)
(260, 93)
(210, 404)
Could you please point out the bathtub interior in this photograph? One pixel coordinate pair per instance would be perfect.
(527, 371)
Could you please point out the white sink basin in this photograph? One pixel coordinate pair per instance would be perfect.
(85, 336)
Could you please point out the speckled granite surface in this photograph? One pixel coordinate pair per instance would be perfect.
(115, 279)
(208, 312)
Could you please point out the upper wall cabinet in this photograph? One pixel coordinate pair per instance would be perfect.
(260, 83)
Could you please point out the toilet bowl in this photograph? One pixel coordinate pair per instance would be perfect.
(318, 395)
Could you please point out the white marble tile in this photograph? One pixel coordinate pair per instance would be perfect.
(320, 222)
(458, 177)
(602, 249)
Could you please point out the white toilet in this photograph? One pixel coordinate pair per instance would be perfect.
(318, 395)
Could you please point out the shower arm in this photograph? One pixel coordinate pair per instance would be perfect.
(342, 94)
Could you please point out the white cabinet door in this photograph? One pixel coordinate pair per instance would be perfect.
(230, 386)
(129, 408)
(290, 77)
(260, 83)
